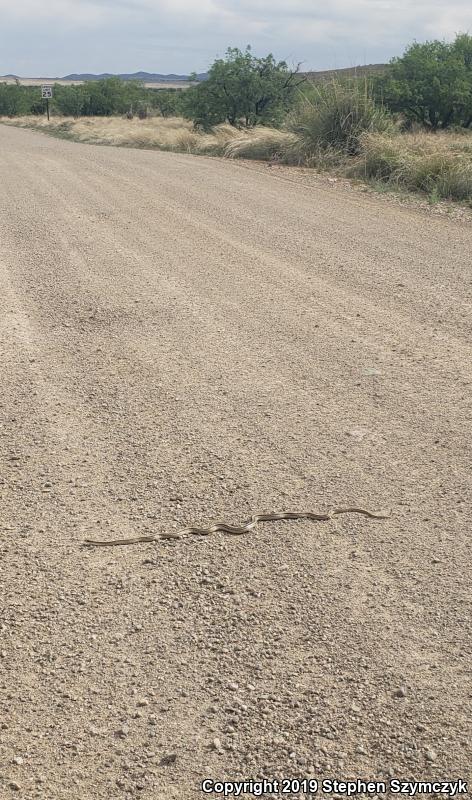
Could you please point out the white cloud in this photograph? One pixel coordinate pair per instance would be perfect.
(179, 35)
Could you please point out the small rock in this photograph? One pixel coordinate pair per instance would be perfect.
(233, 686)
(430, 754)
(167, 760)
(401, 692)
(18, 760)
(15, 786)
(123, 731)
(356, 708)
(361, 750)
(216, 744)
(142, 702)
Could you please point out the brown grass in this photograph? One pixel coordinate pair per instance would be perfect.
(173, 133)
(439, 165)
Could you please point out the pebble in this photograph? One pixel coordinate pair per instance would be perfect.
(401, 692)
(430, 754)
(18, 760)
(216, 743)
(123, 731)
(15, 786)
(167, 760)
(142, 702)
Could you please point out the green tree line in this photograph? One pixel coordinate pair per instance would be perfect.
(430, 85)
(93, 98)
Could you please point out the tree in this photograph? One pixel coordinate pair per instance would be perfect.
(69, 100)
(431, 83)
(166, 101)
(14, 99)
(242, 90)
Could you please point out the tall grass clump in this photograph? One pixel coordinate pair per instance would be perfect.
(332, 117)
(439, 165)
(262, 144)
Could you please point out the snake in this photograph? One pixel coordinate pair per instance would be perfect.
(237, 530)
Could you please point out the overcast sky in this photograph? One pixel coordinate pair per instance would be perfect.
(50, 38)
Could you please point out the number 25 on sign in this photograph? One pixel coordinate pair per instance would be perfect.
(46, 94)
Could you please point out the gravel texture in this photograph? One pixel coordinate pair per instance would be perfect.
(183, 341)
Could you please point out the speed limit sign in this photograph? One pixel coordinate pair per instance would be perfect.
(46, 94)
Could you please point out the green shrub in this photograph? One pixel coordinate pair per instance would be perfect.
(243, 90)
(336, 116)
(431, 84)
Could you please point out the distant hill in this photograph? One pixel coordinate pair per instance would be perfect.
(156, 77)
(346, 72)
(160, 81)
(148, 77)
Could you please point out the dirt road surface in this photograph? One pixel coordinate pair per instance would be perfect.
(185, 340)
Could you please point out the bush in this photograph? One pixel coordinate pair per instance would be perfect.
(336, 116)
(165, 101)
(431, 83)
(16, 100)
(242, 90)
(432, 164)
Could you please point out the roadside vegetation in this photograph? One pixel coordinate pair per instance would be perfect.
(407, 127)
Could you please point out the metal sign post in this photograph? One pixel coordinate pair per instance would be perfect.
(46, 94)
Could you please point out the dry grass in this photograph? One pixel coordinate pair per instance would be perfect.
(173, 133)
(263, 144)
(439, 165)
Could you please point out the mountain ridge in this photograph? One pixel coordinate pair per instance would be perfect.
(131, 76)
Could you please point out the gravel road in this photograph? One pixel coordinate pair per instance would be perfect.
(185, 340)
